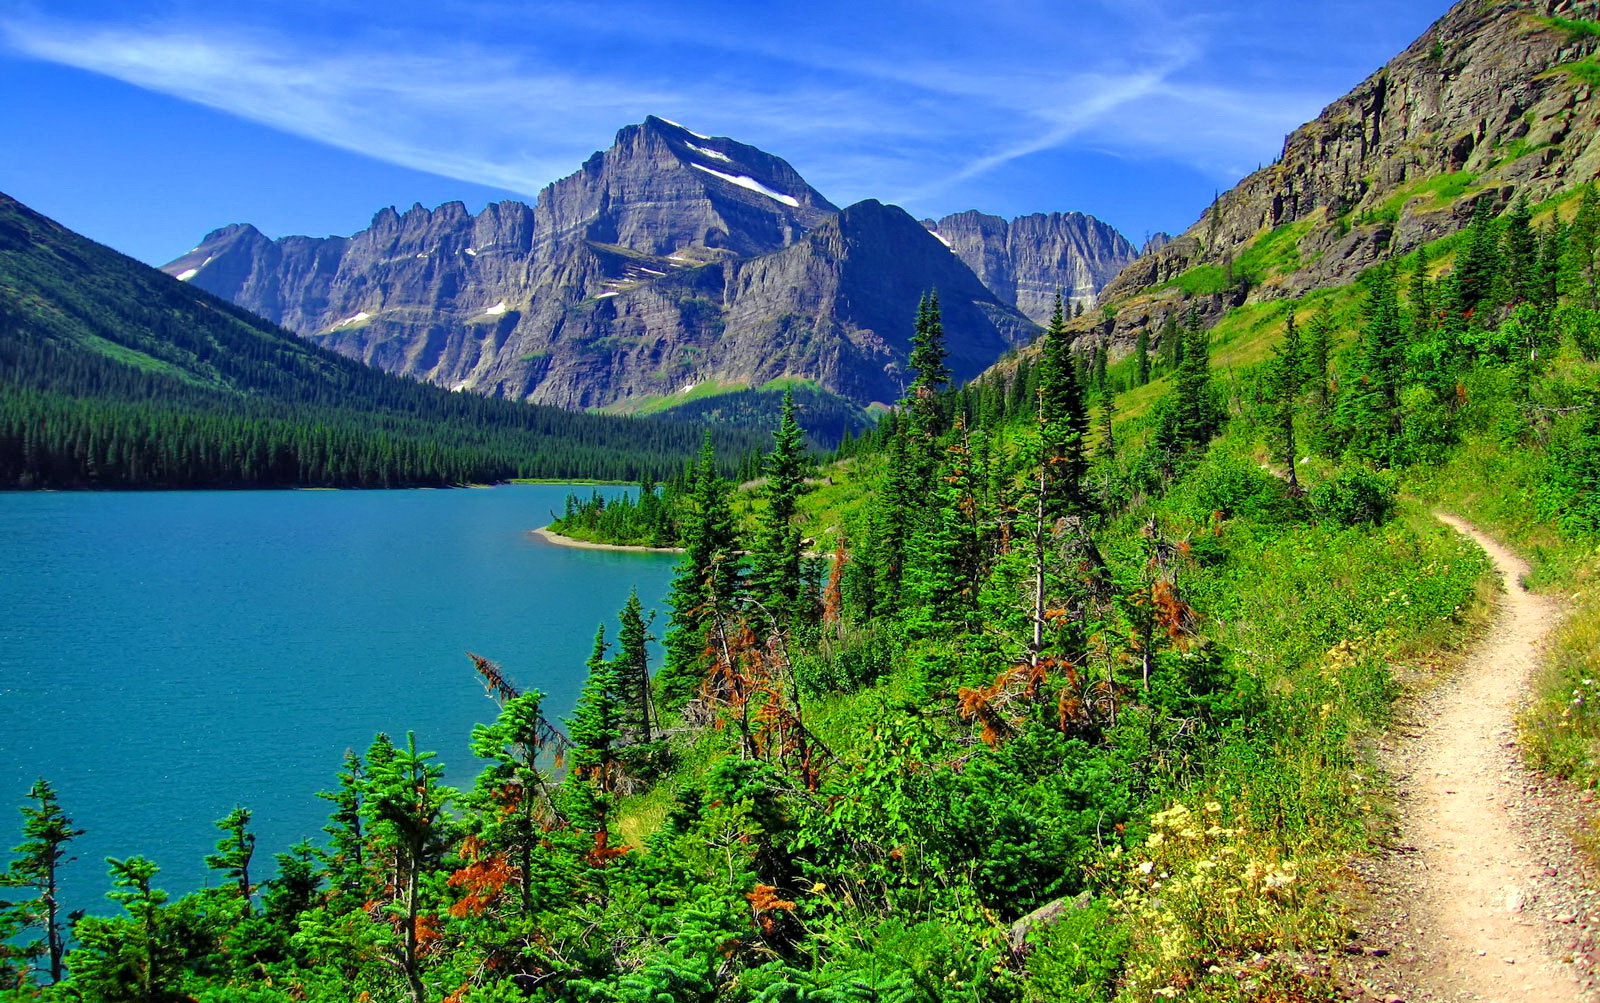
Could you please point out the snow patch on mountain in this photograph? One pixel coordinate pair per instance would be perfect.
(713, 154)
(496, 310)
(752, 184)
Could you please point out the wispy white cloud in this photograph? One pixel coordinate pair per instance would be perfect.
(907, 126)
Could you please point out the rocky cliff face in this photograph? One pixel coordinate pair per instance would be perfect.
(1484, 104)
(669, 262)
(1025, 261)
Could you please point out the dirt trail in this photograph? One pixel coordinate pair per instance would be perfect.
(1483, 897)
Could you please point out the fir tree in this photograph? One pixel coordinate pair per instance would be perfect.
(1521, 253)
(510, 800)
(1285, 376)
(596, 731)
(633, 671)
(234, 851)
(345, 857)
(409, 798)
(1063, 421)
(775, 579)
(708, 579)
(1141, 357)
(927, 360)
(1170, 342)
(1108, 432)
(943, 557)
(46, 831)
(1478, 265)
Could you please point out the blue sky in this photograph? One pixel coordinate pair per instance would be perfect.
(147, 124)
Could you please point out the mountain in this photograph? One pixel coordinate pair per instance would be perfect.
(1024, 261)
(669, 267)
(1494, 100)
(113, 374)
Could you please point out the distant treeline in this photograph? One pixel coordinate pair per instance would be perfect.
(114, 375)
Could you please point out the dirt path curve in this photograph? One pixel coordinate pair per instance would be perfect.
(1483, 896)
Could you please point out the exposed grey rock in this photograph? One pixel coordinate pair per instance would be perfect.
(1025, 261)
(666, 262)
(1481, 92)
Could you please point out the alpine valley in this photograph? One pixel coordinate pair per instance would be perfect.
(1217, 621)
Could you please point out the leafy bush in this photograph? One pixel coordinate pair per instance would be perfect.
(1355, 496)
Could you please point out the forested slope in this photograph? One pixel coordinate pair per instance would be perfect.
(116, 375)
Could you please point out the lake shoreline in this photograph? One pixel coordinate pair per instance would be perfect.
(558, 540)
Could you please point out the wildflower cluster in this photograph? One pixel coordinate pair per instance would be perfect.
(1206, 902)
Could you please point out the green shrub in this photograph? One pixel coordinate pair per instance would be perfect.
(1357, 495)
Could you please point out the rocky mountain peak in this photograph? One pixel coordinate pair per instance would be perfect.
(1027, 259)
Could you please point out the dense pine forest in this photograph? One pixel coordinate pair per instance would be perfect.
(1074, 706)
(115, 375)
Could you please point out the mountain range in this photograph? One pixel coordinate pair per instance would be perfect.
(671, 267)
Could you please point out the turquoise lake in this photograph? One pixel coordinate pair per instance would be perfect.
(165, 656)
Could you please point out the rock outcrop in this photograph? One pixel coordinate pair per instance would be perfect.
(1025, 261)
(1495, 100)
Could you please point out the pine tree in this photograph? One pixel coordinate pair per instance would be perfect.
(1108, 432)
(927, 360)
(596, 731)
(1285, 376)
(1583, 250)
(234, 851)
(1061, 426)
(1171, 342)
(510, 801)
(775, 579)
(943, 557)
(708, 580)
(1422, 319)
(1521, 253)
(409, 799)
(1319, 353)
(1141, 356)
(129, 959)
(46, 832)
(345, 857)
(1478, 265)
(633, 671)
(1063, 421)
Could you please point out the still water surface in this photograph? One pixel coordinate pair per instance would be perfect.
(165, 656)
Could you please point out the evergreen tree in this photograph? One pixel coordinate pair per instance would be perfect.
(510, 800)
(708, 579)
(409, 799)
(345, 857)
(46, 831)
(1170, 342)
(927, 360)
(1421, 299)
(1319, 354)
(1521, 253)
(129, 960)
(1061, 427)
(596, 731)
(1285, 376)
(1478, 265)
(1141, 357)
(1108, 433)
(633, 671)
(775, 579)
(1583, 250)
(234, 851)
(1062, 420)
(943, 559)
(1370, 407)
